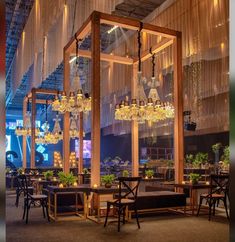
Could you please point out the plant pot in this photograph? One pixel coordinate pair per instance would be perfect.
(193, 182)
(108, 185)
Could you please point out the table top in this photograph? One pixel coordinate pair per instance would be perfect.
(79, 188)
(192, 186)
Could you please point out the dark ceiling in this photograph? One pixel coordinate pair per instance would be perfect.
(17, 13)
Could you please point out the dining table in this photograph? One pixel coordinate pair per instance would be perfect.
(193, 192)
(55, 191)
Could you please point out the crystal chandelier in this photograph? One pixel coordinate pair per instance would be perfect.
(77, 101)
(74, 129)
(144, 109)
(26, 129)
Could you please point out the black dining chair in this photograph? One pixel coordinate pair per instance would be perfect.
(30, 199)
(218, 192)
(21, 190)
(125, 199)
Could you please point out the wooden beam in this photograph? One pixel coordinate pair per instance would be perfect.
(24, 144)
(80, 162)
(155, 49)
(133, 24)
(134, 129)
(66, 121)
(107, 57)
(33, 119)
(95, 101)
(178, 105)
(46, 91)
(41, 101)
(83, 31)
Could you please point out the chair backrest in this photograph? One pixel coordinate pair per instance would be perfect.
(219, 183)
(22, 184)
(131, 184)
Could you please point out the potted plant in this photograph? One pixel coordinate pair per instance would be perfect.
(149, 173)
(20, 171)
(107, 180)
(200, 158)
(226, 157)
(8, 170)
(48, 175)
(125, 173)
(66, 179)
(85, 171)
(215, 148)
(194, 178)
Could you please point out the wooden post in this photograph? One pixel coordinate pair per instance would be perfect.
(134, 129)
(24, 145)
(178, 105)
(66, 122)
(95, 101)
(33, 119)
(80, 162)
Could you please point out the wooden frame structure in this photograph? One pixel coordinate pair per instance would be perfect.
(92, 25)
(32, 97)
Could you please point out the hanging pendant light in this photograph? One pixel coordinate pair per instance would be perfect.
(77, 101)
(74, 128)
(25, 130)
(144, 109)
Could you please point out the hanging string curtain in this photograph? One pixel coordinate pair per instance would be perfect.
(50, 26)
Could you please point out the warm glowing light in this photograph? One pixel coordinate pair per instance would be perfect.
(95, 185)
(207, 183)
(183, 182)
(39, 178)
(61, 185)
(75, 184)
(112, 29)
(222, 45)
(73, 59)
(215, 3)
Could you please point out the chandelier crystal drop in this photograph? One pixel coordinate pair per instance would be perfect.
(77, 101)
(144, 109)
(73, 130)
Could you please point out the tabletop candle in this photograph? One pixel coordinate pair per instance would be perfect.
(40, 179)
(61, 185)
(75, 184)
(183, 182)
(207, 183)
(95, 186)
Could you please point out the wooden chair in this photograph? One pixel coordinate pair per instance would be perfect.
(30, 199)
(20, 190)
(218, 192)
(125, 199)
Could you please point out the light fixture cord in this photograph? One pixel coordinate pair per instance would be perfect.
(139, 44)
(153, 61)
(27, 103)
(46, 109)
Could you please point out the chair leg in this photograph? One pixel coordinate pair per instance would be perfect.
(46, 205)
(136, 215)
(119, 218)
(27, 212)
(107, 214)
(226, 207)
(124, 211)
(17, 198)
(210, 202)
(214, 207)
(43, 209)
(24, 209)
(199, 207)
